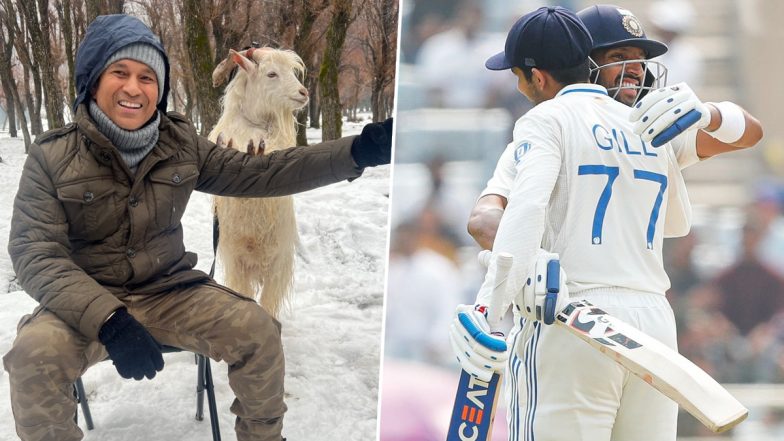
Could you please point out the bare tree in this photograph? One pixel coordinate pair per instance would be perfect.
(36, 15)
(7, 75)
(379, 43)
(331, 108)
(64, 14)
(15, 107)
(32, 97)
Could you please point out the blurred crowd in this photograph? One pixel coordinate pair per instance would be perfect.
(731, 321)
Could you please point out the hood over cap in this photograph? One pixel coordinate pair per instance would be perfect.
(104, 37)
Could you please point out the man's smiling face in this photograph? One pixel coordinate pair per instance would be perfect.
(627, 77)
(127, 92)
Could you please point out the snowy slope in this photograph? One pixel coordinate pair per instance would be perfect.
(331, 334)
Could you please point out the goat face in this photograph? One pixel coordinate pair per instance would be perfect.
(269, 79)
(277, 80)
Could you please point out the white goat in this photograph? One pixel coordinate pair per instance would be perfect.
(258, 236)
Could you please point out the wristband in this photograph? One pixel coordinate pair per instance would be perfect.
(733, 123)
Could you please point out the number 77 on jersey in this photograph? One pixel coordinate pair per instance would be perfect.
(474, 411)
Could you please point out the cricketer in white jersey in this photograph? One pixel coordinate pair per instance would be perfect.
(586, 187)
(590, 190)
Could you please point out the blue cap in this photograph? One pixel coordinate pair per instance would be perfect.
(611, 26)
(548, 38)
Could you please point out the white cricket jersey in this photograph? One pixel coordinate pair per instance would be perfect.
(586, 187)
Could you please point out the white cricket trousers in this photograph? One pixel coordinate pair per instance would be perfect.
(560, 388)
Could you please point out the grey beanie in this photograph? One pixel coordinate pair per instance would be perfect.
(143, 53)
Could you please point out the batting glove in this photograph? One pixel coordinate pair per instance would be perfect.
(544, 293)
(480, 352)
(666, 112)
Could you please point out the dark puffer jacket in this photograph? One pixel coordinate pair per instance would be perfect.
(85, 232)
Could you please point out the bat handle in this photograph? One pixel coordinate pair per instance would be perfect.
(681, 124)
(553, 285)
(498, 299)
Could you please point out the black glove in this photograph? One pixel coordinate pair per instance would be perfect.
(374, 145)
(133, 350)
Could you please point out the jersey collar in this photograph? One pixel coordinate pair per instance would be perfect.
(583, 88)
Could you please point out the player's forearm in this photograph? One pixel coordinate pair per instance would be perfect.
(484, 220)
(708, 145)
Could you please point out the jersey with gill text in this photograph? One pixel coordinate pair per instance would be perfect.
(589, 189)
(677, 223)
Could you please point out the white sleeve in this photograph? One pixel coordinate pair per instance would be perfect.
(677, 221)
(522, 226)
(504, 174)
(685, 148)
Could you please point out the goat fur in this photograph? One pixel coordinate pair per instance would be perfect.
(258, 236)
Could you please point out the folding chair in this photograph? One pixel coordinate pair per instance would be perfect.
(203, 382)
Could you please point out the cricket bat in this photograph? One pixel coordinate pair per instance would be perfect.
(663, 368)
(475, 401)
(666, 370)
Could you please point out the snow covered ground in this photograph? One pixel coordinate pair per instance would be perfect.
(331, 335)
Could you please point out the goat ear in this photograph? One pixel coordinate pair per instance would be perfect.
(222, 72)
(241, 61)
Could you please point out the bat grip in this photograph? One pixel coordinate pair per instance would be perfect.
(498, 298)
(681, 124)
(553, 285)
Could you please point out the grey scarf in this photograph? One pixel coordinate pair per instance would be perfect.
(133, 145)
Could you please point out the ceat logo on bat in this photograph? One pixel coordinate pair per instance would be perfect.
(472, 413)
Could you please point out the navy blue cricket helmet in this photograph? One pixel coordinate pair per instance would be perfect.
(612, 26)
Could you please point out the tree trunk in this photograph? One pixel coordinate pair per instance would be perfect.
(20, 114)
(67, 28)
(7, 80)
(93, 9)
(328, 75)
(304, 47)
(102, 7)
(115, 6)
(302, 124)
(38, 100)
(201, 57)
(10, 109)
(230, 33)
(377, 101)
(314, 110)
(33, 99)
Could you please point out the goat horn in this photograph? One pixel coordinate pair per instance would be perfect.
(230, 145)
(262, 147)
(221, 141)
(251, 148)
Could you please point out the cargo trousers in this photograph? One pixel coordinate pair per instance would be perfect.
(48, 356)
